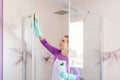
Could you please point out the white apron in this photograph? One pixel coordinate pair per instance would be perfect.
(57, 68)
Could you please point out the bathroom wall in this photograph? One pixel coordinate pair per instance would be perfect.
(65, 24)
(1, 75)
(109, 11)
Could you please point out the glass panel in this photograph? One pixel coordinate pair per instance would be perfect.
(76, 48)
(27, 44)
(53, 22)
(21, 60)
(85, 44)
(92, 47)
(15, 41)
(1, 36)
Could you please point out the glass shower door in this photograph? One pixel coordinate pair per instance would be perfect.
(27, 47)
(24, 58)
(17, 39)
(85, 44)
(92, 47)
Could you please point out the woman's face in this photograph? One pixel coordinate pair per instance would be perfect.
(63, 44)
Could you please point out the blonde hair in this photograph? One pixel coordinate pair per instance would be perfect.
(67, 38)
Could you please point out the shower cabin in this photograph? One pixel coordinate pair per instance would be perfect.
(25, 58)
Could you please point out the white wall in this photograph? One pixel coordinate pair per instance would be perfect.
(65, 24)
(109, 10)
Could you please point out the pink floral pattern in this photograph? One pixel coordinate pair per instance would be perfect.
(21, 56)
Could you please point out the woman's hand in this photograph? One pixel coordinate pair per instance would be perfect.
(37, 29)
(67, 76)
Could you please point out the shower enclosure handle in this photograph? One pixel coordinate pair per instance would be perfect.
(23, 49)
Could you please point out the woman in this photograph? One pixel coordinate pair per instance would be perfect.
(60, 63)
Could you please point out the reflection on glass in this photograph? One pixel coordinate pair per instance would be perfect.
(76, 48)
(85, 43)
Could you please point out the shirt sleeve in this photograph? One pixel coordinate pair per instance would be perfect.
(50, 48)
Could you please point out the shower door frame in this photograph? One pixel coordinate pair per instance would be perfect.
(1, 39)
